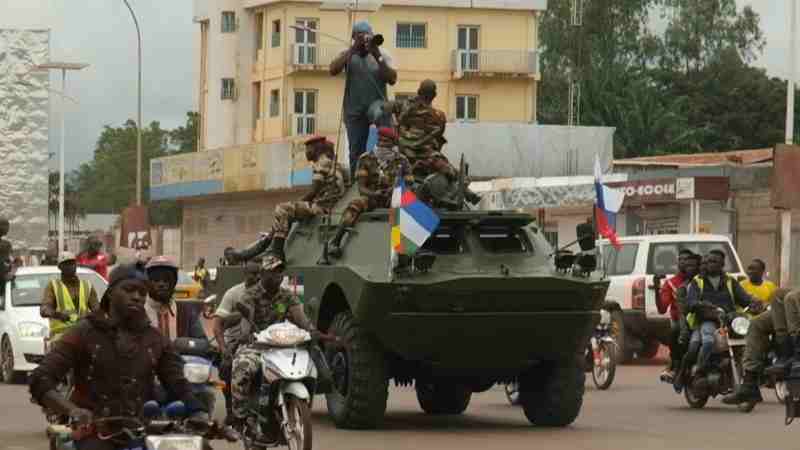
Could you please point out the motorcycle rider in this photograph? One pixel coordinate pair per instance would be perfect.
(756, 285)
(715, 289)
(782, 321)
(667, 302)
(67, 299)
(230, 329)
(264, 304)
(160, 305)
(115, 355)
(376, 177)
(326, 189)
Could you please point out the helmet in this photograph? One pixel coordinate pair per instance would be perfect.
(161, 261)
(65, 257)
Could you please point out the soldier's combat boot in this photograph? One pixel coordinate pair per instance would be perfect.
(335, 246)
(275, 257)
(788, 352)
(747, 392)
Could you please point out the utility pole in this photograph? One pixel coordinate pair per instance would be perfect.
(139, 110)
(786, 214)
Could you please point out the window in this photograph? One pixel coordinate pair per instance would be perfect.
(259, 35)
(274, 103)
(622, 261)
(276, 33)
(663, 258)
(468, 48)
(446, 240)
(27, 289)
(504, 239)
(305, 107)
(228, 89)
(306, 42)
(256, 103)
(552, 238)
(228, 21)
(402, 97)
(467, 107)
(410, 35)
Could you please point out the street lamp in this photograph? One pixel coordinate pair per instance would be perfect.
(63, 67)
(139, 109)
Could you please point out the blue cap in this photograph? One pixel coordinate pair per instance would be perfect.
(362, 27)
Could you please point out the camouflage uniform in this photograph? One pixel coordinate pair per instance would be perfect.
(375, 182)
(266, 309)
(420, 128)
(325, 171)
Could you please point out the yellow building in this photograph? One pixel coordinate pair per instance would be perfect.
(264, 85)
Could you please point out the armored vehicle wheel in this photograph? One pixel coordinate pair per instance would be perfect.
(552, 395)
(442, 397)
(361, 386)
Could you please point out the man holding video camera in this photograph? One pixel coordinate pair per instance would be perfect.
(369, 70)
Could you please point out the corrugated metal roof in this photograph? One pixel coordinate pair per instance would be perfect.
(736, 157)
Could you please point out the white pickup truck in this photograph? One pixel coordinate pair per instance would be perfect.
(635, 271)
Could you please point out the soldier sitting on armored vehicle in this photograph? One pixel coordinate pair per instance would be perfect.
(376, 176)
(327, 187)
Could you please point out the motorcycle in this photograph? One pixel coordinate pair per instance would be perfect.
(280, 411)
(199, 357)
(600, 356)
(162, 427)
(726, 371)
(601, 353)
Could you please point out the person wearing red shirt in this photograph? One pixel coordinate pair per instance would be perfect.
(667, 301)
(93, 258)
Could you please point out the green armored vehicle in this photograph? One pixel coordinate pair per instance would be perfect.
(481, 303)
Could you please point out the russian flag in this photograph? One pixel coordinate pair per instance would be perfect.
(412, 221)
(609, 201)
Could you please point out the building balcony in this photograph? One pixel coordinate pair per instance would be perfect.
(311, 124)
(494, 63)
(313, 57)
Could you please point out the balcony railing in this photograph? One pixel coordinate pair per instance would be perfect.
(495, 62)
(309, 124)
(313, 56)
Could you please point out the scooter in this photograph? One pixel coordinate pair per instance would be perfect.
(199, 357)
(726, 371)
(280, 411)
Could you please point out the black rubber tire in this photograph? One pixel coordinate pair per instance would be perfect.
(619, 335)
(14, 376)
(612, 368)
(363, 405)
(694, 402)
(443, 398)
(552, 394)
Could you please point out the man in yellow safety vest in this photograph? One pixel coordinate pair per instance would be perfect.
(68, 298)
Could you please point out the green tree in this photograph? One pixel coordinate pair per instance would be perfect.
(184, 138)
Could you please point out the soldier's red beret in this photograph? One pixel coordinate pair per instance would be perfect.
(387, 132)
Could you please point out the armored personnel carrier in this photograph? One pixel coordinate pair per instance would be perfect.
(483, 302)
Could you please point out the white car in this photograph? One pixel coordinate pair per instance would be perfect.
(22, 329)
(635, 271)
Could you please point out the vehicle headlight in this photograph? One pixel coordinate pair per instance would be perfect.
(174, 443)
(197, 373)
(32, 330)
(740, 325)
(605, 317)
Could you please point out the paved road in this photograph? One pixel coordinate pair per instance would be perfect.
(636, 413)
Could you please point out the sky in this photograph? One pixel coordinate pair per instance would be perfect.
(101, 33)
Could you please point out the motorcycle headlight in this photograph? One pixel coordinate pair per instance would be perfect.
(32, 330)
(174, 443)
(740, 325)
(605, 317)
(197, 373)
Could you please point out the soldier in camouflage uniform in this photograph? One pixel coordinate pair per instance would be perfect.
(376, 176)
(327, 187)
(421, 132)
(262, 305)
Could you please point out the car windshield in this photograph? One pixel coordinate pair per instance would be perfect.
(622, 261)
(663, 258)
(28, 290)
